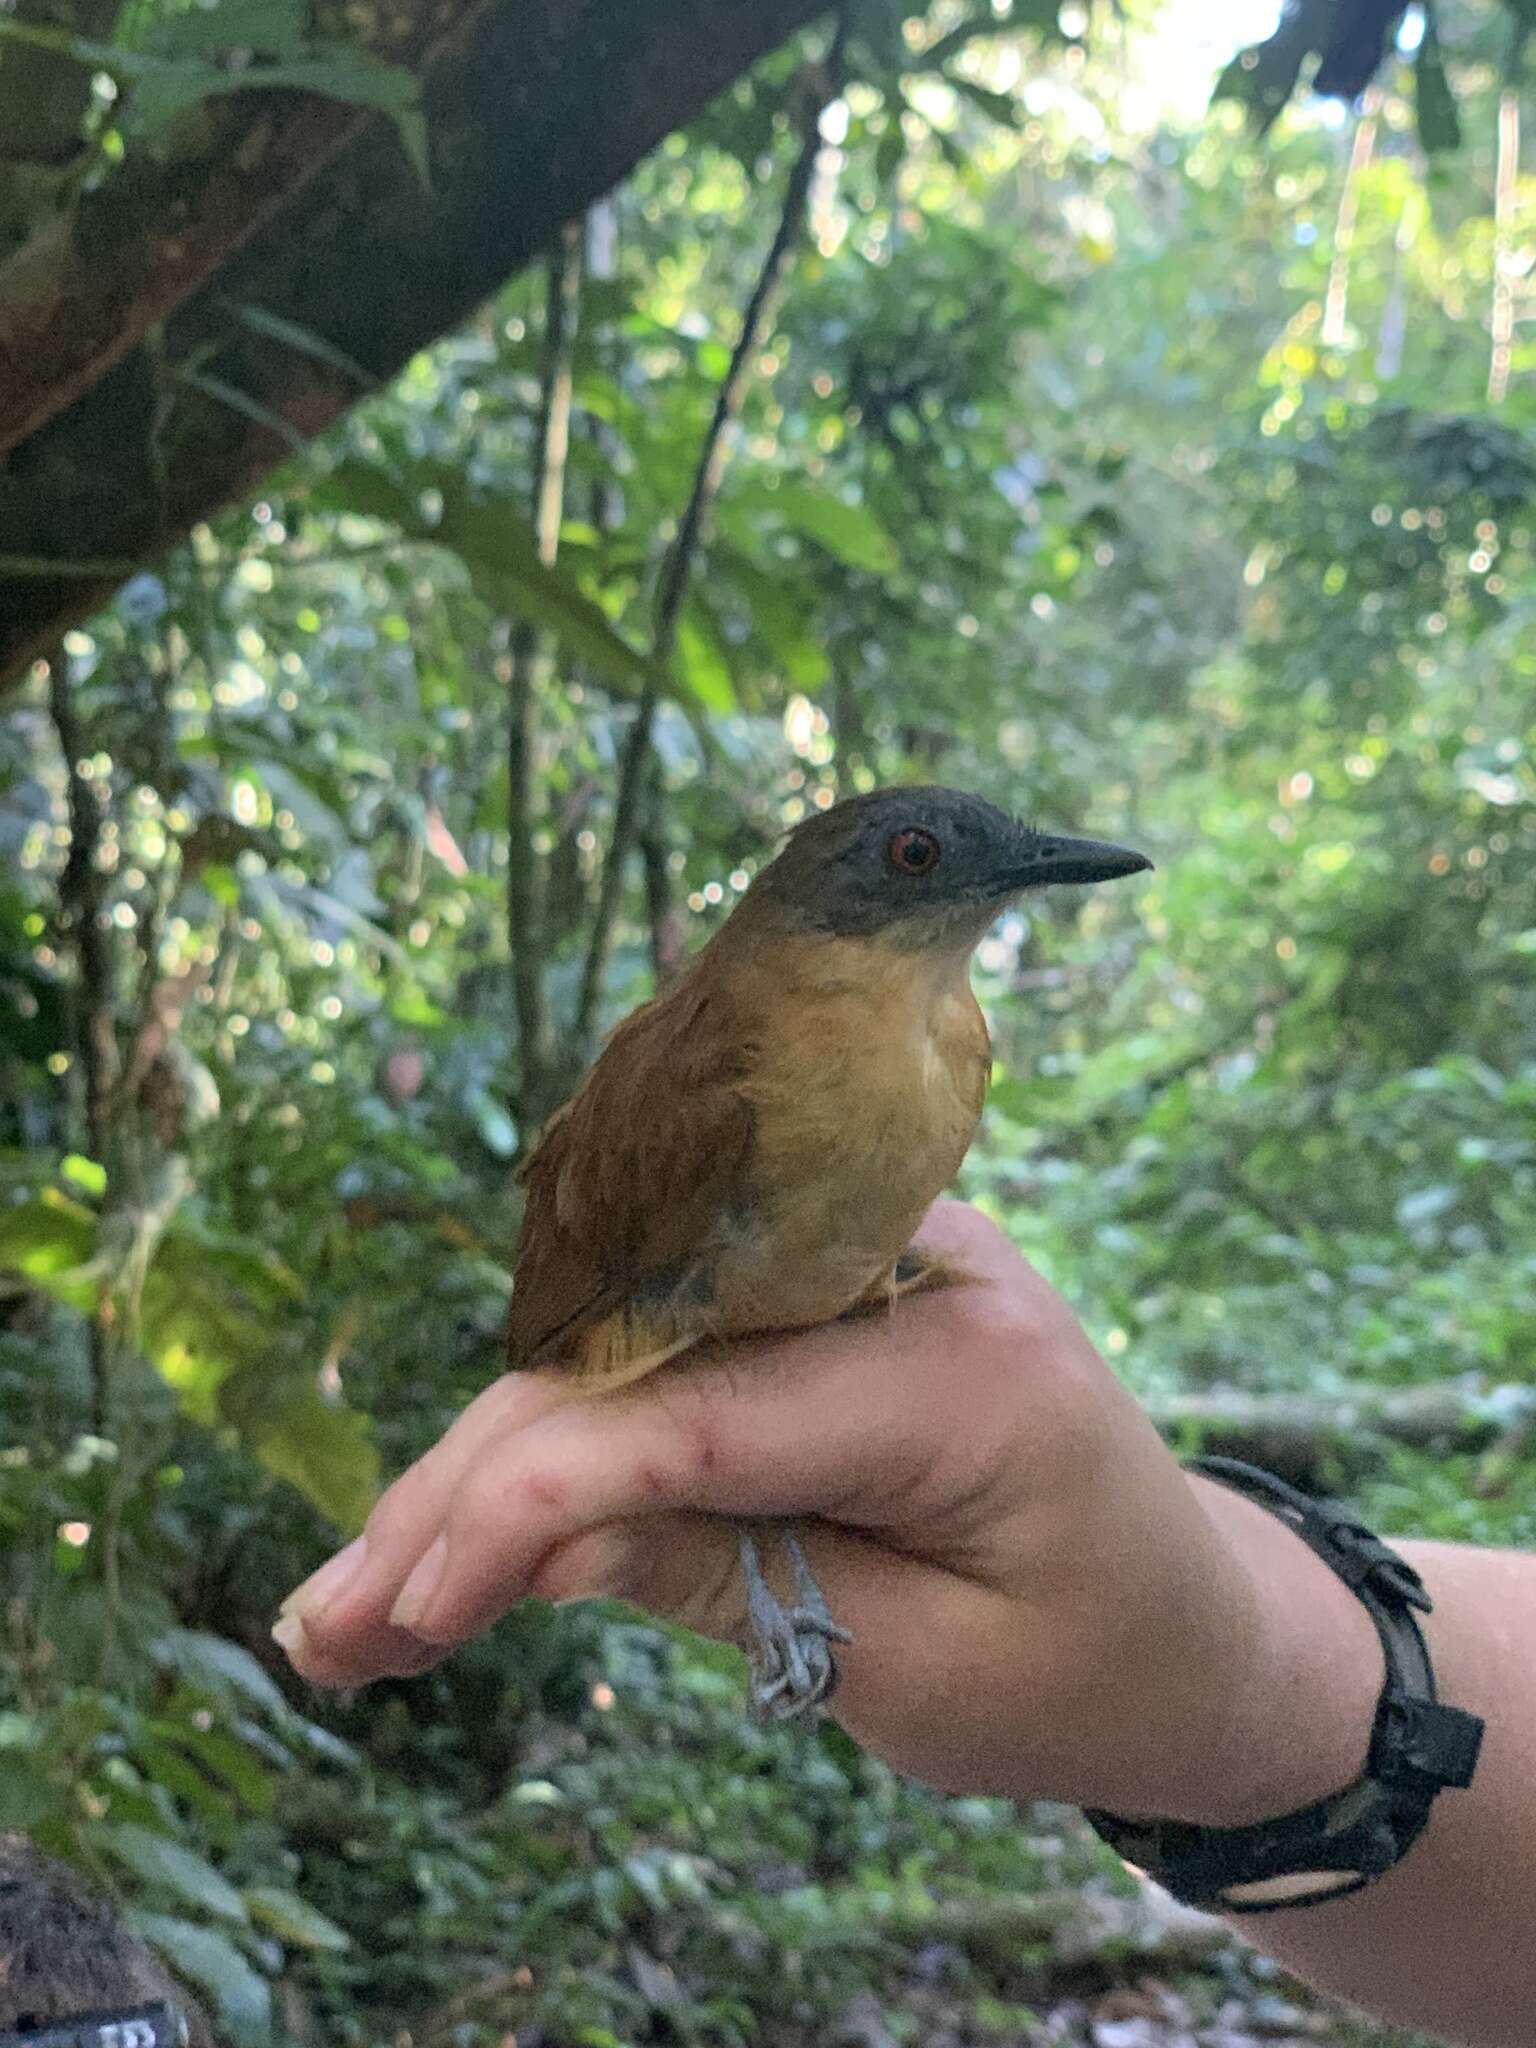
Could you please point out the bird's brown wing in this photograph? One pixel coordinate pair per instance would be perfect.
(630, 1175)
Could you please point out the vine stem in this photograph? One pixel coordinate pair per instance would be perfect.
(682, 557)
(92, 997)
(525, 907)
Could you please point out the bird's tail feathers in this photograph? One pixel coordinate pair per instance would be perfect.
(630, 1345)
(620, 1350)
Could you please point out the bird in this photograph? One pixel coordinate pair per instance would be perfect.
(755, 1147)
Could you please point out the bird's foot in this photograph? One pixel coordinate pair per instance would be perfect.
(915, 1272)
(793, 1669)
(920, 1272)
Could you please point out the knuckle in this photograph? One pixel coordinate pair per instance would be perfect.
(481, 1504)
(687, 1453)
(698, 1445)
(962, 1224)
(989, 1319)
(1030, 1314)
(389, 1514)
(656, 1483)
(547, 1490)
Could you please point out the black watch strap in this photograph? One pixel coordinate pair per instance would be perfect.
(1418, 1746)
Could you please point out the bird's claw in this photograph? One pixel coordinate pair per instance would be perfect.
(793, 1669)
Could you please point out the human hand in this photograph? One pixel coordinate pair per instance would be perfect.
(1041, 1602)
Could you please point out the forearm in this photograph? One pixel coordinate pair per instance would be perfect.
(1447, 1940)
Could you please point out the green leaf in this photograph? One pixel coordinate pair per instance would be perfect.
(1264, 77)
(184, 59)
(230, 395)
(704, 665)
(1435, 104)
(293, 1920)
(778, 620)
(851, 532)
(172, 1867)
(167, 1767)
(50, 1240)
(26, 1797)
(305, 343)
(313, 816)
(365, 488)
(160, 93)
(271, 28)
(222, 885)
(358, 79)
(325, 1450)
(890, 151)
(223, 1756)
(496, 545)
(877, 27)
(211, 1961)
(1061, 1102)
(997, 106)
(223, 1667)
(965, 32)
(209, 1305)
(87, 1174)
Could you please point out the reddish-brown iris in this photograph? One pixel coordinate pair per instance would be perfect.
(913, 851)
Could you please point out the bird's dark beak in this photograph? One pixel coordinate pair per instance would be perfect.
(1076, 860)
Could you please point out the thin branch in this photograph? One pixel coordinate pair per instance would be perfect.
(1336, 305)
(134, 1213)
(1299, 1434)
(681, 559)
(91, 995)
(49, 566)
(1505, 192)
(666, 927)
(525, 918)
(80, 895)
(1394, 318)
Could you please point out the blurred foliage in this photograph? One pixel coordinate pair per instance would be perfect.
(1144, 477)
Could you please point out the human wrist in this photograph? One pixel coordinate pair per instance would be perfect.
(1224, 1675)
(1251, 1680)
(1299, 1692)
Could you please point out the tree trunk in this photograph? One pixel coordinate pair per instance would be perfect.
(1302, 1437)
(310, 212)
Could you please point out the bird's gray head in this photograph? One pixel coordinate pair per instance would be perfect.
(928, 865)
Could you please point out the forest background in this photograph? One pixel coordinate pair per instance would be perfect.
(1147, 473)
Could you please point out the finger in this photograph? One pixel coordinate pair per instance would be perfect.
(395, 1655)
(683, 1566)
(405, 1517)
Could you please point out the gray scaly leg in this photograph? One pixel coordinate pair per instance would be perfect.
(792, 1667)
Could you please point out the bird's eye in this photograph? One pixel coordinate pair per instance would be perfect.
(913, 851)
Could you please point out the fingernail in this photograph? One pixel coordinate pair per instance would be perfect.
(332, 1579)
(416, 1594)
(288, 1634)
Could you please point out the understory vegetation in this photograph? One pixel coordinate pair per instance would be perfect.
(1030, 426)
